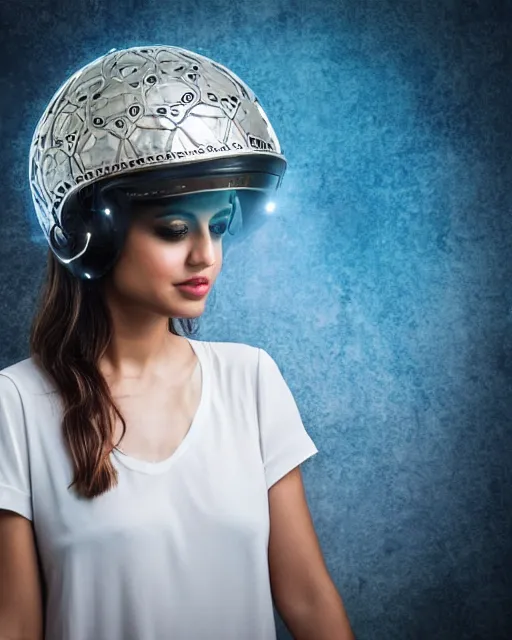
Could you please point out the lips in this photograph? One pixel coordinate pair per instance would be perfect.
(195, 282)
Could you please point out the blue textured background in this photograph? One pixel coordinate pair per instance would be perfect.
(382, 287)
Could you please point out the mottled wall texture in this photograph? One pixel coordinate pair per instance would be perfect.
(381, 285)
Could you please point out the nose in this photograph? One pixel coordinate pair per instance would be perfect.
(202, 250)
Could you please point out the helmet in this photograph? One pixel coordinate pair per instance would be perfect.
(144, 124)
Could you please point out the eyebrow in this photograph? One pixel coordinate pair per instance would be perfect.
(188, 214)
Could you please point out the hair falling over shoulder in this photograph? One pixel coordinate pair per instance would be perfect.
(70, 332)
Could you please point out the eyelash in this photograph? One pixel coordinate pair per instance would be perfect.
(175, 235)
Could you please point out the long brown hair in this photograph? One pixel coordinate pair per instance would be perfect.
(70, 332)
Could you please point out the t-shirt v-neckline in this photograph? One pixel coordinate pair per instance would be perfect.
(145, 466)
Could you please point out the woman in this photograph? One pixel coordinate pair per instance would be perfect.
(149, 482)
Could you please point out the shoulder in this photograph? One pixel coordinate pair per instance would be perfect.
(27, 377)
(243, 362)
(235, 357)
(234, 353)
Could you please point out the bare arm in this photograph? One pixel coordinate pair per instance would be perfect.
(21, 608)
(303, 592)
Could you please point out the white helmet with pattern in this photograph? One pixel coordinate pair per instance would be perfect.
(145, 123)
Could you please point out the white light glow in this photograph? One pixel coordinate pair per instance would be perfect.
(270, 207)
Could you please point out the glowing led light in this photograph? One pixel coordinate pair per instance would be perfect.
(270, 207)
(87, 275)
(107, 211)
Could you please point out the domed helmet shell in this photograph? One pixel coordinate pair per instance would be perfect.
(151, 122)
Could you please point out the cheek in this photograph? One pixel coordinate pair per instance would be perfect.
(147, 257)
(161, 260)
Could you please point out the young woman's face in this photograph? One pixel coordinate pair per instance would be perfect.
(168, 243)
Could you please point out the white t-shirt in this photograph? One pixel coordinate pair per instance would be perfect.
(179, 549)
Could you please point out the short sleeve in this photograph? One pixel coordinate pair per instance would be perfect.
(284, 440)
(14, 467)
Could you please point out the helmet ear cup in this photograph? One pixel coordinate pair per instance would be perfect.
(69, 247)
(92, 232)
(60, 242)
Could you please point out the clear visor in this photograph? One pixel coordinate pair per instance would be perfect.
(96, 219)
(243, 209)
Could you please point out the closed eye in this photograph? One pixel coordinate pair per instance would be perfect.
(176, 232)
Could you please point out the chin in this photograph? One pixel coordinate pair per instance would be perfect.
(191, 309)
(184, 315)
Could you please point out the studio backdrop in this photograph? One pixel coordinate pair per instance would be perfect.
(381, 282)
